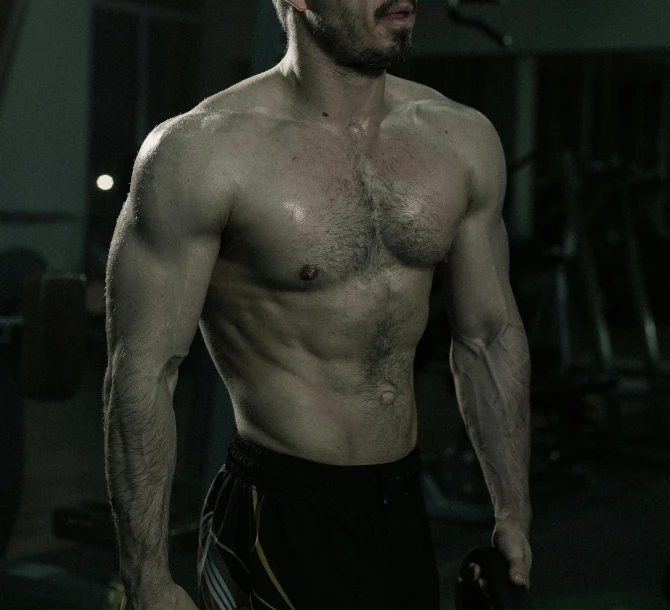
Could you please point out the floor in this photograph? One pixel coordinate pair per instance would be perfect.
(600, 545)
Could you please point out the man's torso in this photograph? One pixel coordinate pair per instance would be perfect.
(320, 292)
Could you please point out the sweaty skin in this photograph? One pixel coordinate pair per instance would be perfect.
(318, 356)
(305, 249)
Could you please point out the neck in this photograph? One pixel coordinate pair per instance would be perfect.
(319, 86)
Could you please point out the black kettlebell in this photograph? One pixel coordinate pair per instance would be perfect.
(501, 594)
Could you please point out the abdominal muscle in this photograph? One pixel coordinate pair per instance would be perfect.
(321, 410)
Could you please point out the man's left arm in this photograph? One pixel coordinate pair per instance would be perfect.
(490, 359)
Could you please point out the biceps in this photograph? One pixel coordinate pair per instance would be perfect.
(155, 295)
(475, 280)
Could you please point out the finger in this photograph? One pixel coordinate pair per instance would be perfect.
(518, 554)
(519, 573)
(519, 570)
(476, 572)
(517, 577)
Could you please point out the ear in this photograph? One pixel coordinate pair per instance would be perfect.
(299, 5)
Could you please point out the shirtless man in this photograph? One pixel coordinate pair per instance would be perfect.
(299, 218)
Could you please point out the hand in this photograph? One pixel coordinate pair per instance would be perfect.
(172, 597)
(512, 541)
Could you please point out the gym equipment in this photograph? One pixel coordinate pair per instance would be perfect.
(54, 336)
(500, 593)
(12, 444)
(46, 313)
(599, 244)
(553, 282)
(66, 583)
(74, 580)
(14, 13)
(653, 366)
(609, 196)
(42, 327)
(14, 265)
(42, 342)
(456, 15)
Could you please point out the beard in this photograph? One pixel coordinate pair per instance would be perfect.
(340, 43)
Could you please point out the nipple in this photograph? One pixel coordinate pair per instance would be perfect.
(309, 272)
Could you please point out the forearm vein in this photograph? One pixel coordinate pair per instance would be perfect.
(140, 456)
(493, 390)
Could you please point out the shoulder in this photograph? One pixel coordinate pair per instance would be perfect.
(190, 142)
(471, 129)
(201, 147)
(470, 135)
(482, 150)
(467, 132)
(213, 130)
(196, 159)
(178, 146)
(181, 170)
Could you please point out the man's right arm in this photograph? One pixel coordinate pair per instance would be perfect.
(161, 260)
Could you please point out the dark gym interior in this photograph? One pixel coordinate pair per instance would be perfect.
(580, 95)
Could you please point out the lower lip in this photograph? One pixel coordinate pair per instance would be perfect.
(398, 17)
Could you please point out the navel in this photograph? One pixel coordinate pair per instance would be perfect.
(389, 397)
(309, 272)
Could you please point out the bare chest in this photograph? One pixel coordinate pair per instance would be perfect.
(317, 211)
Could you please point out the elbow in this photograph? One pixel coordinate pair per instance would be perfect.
(172, 372)
(499, 345)
(127, 374)
(483, 332)
(172, 379)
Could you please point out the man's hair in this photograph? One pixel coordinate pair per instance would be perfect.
(282, 9)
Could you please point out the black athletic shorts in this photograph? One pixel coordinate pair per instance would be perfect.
(283, 533)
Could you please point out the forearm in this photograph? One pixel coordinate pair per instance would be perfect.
(140, 456)
(493, 390)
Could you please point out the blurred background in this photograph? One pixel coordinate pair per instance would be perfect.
(580, 94)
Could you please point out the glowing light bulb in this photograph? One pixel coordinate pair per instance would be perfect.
(105, 182)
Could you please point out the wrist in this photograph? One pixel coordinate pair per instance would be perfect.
(520, 522)
(138, 578)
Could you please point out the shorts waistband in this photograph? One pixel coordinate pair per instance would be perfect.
(273, 471)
